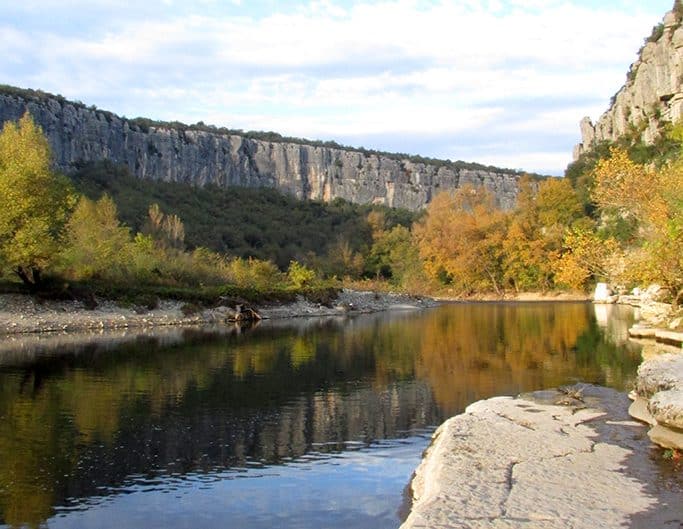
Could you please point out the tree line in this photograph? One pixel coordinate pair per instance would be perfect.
(615, 218)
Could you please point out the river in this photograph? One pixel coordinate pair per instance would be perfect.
(311, 423)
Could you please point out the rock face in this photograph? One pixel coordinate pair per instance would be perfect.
(652, 94)
(527, 463)
(180, 154)
(658, 398)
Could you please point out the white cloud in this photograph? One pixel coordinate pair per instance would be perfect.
(331, 69)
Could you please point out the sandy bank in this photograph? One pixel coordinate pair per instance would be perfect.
(529, 463)
(520, 296)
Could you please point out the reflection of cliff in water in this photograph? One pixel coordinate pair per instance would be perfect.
(80, 423)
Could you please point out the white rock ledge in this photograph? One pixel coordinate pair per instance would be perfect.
(527, 463)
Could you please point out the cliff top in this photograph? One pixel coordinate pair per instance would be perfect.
(145, 124)
(651, 97)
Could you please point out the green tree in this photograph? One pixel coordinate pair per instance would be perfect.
(96, 244)
(395, 255)
(34, 201)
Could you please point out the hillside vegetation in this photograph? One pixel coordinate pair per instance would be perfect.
(241, 222)
(613, 218)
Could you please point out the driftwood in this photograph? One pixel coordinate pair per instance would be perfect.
(243, 313)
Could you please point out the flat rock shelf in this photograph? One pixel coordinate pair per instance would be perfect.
(527, 462)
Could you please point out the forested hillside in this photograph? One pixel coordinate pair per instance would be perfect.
(241, 222)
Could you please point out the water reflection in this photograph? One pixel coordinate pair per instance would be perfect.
(146, 414)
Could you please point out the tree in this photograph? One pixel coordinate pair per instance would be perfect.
(536, 231)
(651, 200)
(460, 239)
(624, 188)
(395, 256)
(167, 230)
(96, 244)
(34, 201)
(586, 257)
(557, 203)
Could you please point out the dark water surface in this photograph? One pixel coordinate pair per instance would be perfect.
(310, 423)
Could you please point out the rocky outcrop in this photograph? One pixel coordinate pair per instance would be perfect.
(658, 398)
(528, 463)
(652, 95)
(185, 154)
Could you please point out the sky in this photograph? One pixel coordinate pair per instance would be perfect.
(499, 82)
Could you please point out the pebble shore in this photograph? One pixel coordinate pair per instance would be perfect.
(20, 314)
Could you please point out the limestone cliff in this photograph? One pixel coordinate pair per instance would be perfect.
(653, 91)
(173, 152)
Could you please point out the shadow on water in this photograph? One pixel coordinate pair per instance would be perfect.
(81, 421)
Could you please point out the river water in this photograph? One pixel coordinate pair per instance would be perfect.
(303, 424)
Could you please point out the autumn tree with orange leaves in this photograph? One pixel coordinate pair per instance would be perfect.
(460, 240)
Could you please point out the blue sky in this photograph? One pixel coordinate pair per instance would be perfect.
(501, 82)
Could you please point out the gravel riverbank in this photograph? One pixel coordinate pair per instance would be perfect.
(24, 314)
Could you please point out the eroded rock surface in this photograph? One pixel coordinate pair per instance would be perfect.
(528, 463)
(658, 398)
(652, 94)
(85, 134)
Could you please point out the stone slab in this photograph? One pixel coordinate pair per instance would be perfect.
(666, 437)
(669, 337)
(528, 463)
(667, 408)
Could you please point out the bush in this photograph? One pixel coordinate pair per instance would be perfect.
(300, 275)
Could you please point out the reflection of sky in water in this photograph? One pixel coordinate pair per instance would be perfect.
(352, 489)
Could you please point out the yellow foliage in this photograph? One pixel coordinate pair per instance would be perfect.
(624, 186)
(654, 197)
(585, 256)
(96, 244)
(460, 239)
(34, 202)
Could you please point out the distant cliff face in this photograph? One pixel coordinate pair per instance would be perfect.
(80, 134)
(652, 94)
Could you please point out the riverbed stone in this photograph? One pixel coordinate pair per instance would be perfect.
(639, 410)
(666, 437)
(667, 408)
(581, 466)
(660, 373)
(669, 337)
(659, 385)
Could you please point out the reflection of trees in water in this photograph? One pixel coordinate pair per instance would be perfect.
(483, 350)
(93, 419)
(74, 423)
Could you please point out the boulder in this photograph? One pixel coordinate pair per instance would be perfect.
(604, 294)
(666, 407)
(658, 398)
(660, 373)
